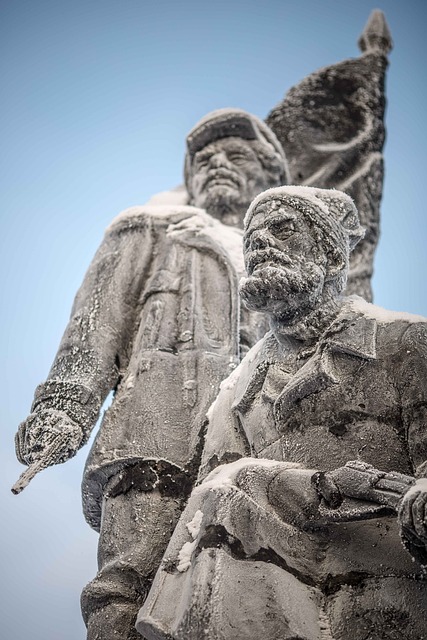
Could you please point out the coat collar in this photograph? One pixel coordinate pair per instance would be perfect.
(351, 333)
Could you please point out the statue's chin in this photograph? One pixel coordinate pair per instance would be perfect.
(225, 204)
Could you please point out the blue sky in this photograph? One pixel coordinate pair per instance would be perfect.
(97, 98)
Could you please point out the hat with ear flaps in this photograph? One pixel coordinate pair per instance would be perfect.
(333, 211)
(230, 122)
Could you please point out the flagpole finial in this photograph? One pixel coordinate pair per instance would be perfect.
(376, 35)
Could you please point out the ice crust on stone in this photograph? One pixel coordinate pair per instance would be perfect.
(229, 382)
(308, 193)
(228, 237)
(224, 475)
(184, 556)
(231, 240)
(155, 211)
(176, 196)
(197, 221)
(382, 316)
(194, 526)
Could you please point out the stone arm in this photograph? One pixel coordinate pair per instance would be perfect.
(392, 490)
(92, 352)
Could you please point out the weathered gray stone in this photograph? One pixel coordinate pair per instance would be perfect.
(331, 405)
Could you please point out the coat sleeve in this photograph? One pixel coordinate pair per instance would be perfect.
(413, 383)
(96, 343)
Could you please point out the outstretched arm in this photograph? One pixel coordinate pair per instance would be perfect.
(91, 354)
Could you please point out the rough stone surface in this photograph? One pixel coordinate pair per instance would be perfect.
(325, 421)
(331, 126)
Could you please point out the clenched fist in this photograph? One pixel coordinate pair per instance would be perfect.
(48, 435)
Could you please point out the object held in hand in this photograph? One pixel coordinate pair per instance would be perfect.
(359, 491)
(51, 453)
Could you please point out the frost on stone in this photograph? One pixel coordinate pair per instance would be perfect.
(383, 316)
(194, 526)
(185, 555)
(331, 126)
(186, 552)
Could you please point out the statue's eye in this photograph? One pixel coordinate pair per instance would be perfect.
(201, 162)
(282, 229)
(237, 158)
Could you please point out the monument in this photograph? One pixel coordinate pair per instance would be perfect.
(324, 420)
(145, 322)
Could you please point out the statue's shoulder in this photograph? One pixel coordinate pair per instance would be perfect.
(232, 387)
(153, 216)
(245, 368)
(398, 329)
(257, 354)
(383, 316)
(254, 358)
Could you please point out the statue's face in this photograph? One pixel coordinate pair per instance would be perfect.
(226, 176)
(285, 263)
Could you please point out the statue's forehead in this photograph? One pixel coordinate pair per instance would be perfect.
(274, 208)
(231, 142)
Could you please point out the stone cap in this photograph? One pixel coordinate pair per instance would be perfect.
(331, 210)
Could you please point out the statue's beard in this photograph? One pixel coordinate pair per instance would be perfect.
(225, 203)
(285, 288)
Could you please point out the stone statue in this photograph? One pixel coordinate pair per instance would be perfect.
(314, 443)
(157, 318)
(146, 323)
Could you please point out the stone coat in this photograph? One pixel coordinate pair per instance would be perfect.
(240, 565)
(361, 395)
(156, 319)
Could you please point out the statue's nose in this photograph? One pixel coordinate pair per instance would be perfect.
(219, 159)
(260, 240)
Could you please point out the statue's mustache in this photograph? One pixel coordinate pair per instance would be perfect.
(276, 282)
(222, 174)
(258, 257)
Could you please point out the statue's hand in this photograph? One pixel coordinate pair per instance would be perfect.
(412, 514)
(195, 231)
(48, 436)
(362, 481)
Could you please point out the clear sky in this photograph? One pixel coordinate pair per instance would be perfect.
(97, 97)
